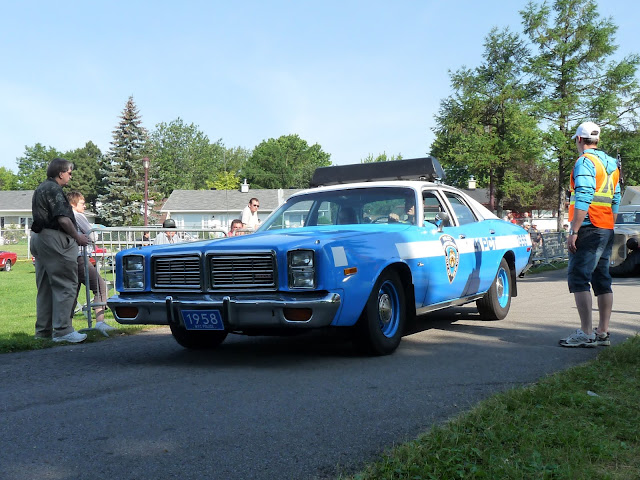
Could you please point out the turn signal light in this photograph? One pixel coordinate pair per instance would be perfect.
(127, 312)
(297, 314)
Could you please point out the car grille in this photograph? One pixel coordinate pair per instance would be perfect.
(177, 272)
(242, 271)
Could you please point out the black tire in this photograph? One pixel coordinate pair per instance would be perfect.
(382, 323)
(196, 340)
(496, 302)
(7, 266)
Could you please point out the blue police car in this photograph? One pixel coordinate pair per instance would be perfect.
(370, 247)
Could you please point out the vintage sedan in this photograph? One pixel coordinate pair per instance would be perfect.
(627, 226)
(365, 256)
(7, 260)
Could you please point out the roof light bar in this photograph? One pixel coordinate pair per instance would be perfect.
(425, 169)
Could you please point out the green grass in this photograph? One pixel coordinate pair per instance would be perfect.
(18, 311)
(545, 267)
(21, 248)
(583, 423)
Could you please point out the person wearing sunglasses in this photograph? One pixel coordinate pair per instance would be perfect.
(54, 244)
(250, 215)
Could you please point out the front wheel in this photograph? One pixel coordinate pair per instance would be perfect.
(197, 340)
(7, 266)
(496, 302)
(381, 325)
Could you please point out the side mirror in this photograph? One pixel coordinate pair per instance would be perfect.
(442, 220)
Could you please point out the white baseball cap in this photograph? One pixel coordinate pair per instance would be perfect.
(587, 130)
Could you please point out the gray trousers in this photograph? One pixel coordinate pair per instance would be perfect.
(56, 256)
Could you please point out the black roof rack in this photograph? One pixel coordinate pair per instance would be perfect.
(425, 169)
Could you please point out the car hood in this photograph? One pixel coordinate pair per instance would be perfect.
(284, 239)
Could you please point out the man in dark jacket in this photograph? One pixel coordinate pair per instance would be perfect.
(54, 244)
(631, 265)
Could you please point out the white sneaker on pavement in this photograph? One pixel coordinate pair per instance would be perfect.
(579, 339)
(73, 337)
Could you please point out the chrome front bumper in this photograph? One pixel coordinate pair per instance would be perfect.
(239, 311)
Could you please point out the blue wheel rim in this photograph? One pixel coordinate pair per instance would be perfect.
(502, 287)
(388, 309)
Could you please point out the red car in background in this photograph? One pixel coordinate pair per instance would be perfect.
(7, 260)
(98, 252)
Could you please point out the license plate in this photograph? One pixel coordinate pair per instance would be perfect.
(202, 320)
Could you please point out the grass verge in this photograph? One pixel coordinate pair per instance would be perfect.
(577, 424)
(18, 312)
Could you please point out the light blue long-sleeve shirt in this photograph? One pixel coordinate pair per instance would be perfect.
(584, 177)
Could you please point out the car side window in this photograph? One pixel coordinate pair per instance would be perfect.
(432, 206)
(461, 209)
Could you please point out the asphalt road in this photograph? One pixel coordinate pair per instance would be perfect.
(141, 407)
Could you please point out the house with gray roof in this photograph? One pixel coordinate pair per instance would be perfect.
(15, 210)
(217, 208)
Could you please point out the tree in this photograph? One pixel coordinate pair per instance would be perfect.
(32, 168)
(625, 145)
(574, 81)
(484, 129)
(86, 171)
(183, 157)
(381, 158)
(286, 162)
(120, 201)
(8, 179)
(224, 181)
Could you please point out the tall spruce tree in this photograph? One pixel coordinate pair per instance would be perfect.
(575, 82)
(120, 202)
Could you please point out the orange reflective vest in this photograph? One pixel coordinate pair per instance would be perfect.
(600, 212)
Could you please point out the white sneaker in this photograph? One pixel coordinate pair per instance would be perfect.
(105, 327)
(73, 337)
(579, 339)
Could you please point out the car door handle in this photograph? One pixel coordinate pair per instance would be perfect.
(462, 236)
(492, 232)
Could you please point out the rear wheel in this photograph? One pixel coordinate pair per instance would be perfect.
(197, 340)
(7, 266)
(381, 325)
(496, 302)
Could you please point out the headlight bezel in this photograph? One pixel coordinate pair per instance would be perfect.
(301, 269)
(133, 272)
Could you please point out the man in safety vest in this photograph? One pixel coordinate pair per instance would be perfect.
(595, 195)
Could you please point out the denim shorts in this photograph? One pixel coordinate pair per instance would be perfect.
(590, 264)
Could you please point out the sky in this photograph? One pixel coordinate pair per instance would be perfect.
(356, 77)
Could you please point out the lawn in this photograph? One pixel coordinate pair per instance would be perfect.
(18, 310)
(583, 423)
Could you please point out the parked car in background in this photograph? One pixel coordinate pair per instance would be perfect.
(365, 256)
(627, 226)
(7, 260)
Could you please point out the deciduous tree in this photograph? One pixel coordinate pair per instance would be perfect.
(86, 171)
(183, 158)
(32, 168)
(286, 162)
(8, 179)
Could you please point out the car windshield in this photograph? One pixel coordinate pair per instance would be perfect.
(345, 207)
(628, 217)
